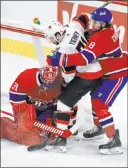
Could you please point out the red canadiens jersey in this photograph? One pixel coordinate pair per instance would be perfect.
(103, 44)
(114, 68)
(28, 84)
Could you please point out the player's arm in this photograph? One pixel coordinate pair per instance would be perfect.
(88, 55)
(17, 92)
(24, 113)
(82, 21)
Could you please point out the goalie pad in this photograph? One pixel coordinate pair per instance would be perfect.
(10, 131)
(25, 115)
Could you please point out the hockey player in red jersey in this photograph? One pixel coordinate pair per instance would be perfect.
(114, 79)
(104, 46)
(32, 96)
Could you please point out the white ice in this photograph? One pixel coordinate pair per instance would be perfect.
(79, 154)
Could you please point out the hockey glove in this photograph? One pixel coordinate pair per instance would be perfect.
(28, 100)
(53, 60)
(56, 59)
(67, 133)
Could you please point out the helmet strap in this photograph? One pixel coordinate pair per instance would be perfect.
(107, 25)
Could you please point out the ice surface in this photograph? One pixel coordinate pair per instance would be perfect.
(80, 154)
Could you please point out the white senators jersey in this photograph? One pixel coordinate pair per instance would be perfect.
(74, 41)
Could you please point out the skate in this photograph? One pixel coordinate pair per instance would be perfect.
(113, 146)
(94, 134)
(57, 144)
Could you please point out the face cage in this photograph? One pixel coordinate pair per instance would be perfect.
(55, 37)
(44, 83)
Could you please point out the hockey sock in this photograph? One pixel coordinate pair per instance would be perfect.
(73, 117)
(62, 120)
(104, 116)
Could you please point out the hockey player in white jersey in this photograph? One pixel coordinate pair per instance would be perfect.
(57, 34)
(61, 36)
(79, 80)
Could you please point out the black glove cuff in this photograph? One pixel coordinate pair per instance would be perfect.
(28, 100)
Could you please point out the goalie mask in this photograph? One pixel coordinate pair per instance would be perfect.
(47, 75)
(54, 32)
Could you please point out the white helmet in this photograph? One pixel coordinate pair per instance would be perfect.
(54, 32)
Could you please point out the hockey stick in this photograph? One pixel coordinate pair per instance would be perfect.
(45, 127)
(106, 4)
(50, 129)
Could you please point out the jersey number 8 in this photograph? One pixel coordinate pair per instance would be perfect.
(91, 46)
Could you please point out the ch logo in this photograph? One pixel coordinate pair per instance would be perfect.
(37, 103)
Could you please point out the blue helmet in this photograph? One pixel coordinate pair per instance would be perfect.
(102, 15)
